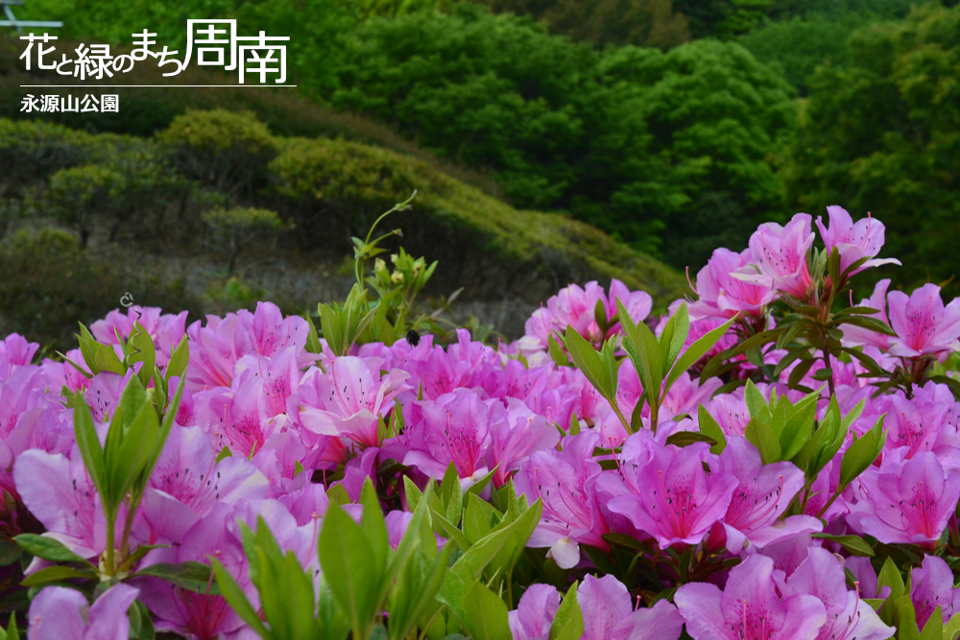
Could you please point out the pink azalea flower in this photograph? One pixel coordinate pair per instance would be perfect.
(165, 330)
(922, 324)
(762, 495)
(16, 351)
(188, 482)
(922, 423)
(59, 613)
(576, 307)
(516, 437)
(672, 498)
(59, 493)
(780, 253)
(566, 483)
(908, 501)
(866, 577)
(751, 606)
(849, 617)
(931, 586)
(348, 400)
(455, 428)
(608, 613)
(535, 613)
(199, 615)
(722, 295)
(854, 241)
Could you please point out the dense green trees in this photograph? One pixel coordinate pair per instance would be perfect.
(884, 136)
(643, 143)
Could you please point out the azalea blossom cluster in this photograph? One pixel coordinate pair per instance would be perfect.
(732, 545)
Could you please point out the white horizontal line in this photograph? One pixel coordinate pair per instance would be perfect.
(161, 86)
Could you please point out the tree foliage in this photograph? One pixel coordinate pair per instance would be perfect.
(642, 143)
(883, 137)
(651, 23)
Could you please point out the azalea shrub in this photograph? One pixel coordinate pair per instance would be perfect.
(766, 460)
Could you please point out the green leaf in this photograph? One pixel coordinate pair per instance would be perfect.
(237, 599)
(687, 438)
(47, 548)
(644, 351)
(696, 351)
(89, 444)
(799, 427)
(862, 453)
(711, 428)
(224, 453)
(951, 631)
(373, 524)
(761, 436)
(193, 576)
(933, 630)
(586, 358)
(451, 495)
(486, 614)
(756, 405)
(313, 339)
(674, 335)
(557, 353)
(55, 574)
(905, 619)
(142, 349)
(854, 545)
(568, 621)
(345, 557)
(13, 633)
(178, 360)
(889, 576)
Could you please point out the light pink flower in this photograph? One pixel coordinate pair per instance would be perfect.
(922, 323)
(780, 253)
(854, 241)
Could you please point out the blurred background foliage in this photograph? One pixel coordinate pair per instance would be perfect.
(675, 126)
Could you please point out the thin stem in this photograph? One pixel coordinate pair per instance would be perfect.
(623, 419)
(111, 535)
(127, 526)
(836, 494)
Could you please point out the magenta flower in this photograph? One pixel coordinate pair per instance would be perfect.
(516, 437)
(455, 428)
(199, 615)
(59, 613)
(672, 497)
(722, 295)
(165, 330)
(188, 482)
(909, 501)
(780, 253)
(535, 613)
(931, 586)
(854, 241)
(16, 351)
(849, 617)
(922, 324)
(762, 495)
(348, 400)
(751, 606)
(566, 483)
(58, 491)
(576, 307)
(608, 613)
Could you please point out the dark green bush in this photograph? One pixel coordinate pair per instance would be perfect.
(49, 285)
(221, 149)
